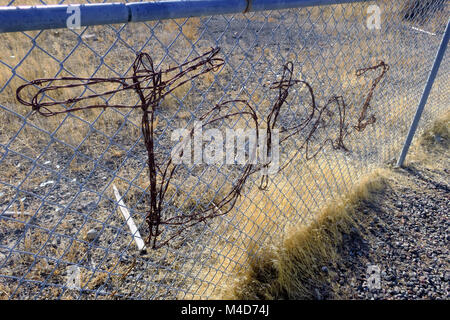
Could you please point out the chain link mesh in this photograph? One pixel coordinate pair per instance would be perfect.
(57, 204)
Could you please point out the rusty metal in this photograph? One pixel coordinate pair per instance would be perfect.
(151, 86)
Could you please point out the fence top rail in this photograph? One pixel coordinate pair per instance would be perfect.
(27, 18)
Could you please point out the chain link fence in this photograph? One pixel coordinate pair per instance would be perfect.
(75, 190)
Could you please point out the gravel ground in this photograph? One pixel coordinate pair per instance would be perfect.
(404, 232)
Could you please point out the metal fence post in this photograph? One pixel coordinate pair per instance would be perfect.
(425, 94)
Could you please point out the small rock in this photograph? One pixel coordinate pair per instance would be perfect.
(91, 235)
(89, 36)
(447, 276)
(43, 184)
(56, 242)
(390, 277)
(318, 295)
(438, 138)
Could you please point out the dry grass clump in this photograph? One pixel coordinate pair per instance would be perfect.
(189, 28)
(435, 139)
(291, 270)
(439, 133)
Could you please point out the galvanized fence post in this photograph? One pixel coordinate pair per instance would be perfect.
(425, 94)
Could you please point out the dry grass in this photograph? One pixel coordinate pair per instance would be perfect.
(438, 134)
(262, 218)
(28, 61)
(38, 64)
(290, 270)
(35, 245)
(433, 140)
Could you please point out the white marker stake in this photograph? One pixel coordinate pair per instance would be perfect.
(126, 214)
(424, 31)
(14, 213)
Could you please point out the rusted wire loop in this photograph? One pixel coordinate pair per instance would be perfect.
(142, 75)
(248, 6)
(364, 120)
(318, 117)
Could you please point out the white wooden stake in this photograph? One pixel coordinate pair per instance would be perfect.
(424, 31)
(130, 222)
(14, 213)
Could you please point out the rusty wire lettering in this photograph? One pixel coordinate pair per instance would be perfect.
(151, 86)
